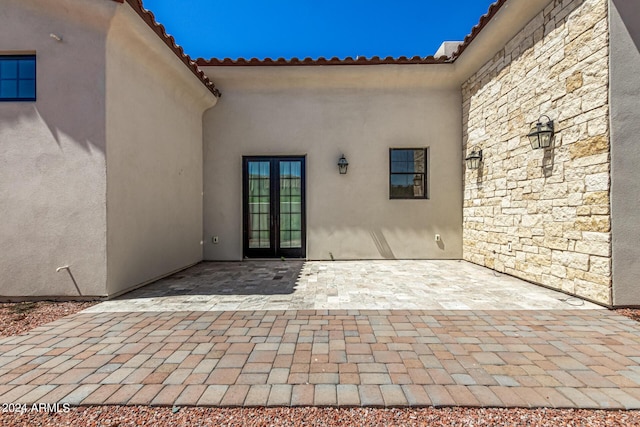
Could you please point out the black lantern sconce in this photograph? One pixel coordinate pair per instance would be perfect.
(474, 159)
(343, 165)
(541, 134)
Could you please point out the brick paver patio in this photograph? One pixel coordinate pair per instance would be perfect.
(553, 358)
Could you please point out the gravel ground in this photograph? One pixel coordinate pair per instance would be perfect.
(17, 318)
(112, 416)
(631, 313)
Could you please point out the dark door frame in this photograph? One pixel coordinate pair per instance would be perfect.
(274, 191)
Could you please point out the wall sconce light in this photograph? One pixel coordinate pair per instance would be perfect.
(343, 165)
(55, 37)
(541, 134)
(474, 158)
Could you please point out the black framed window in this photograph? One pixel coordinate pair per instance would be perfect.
(407, 173)
(17, 77)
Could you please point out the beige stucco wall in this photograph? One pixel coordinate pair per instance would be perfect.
(624, 18)
(552, 206)
(322, 112)
(154, 156)
(103, 172)
(52, 152)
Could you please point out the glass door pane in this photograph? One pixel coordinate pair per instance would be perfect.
(273, 207)
(259, 224)
(290, 212)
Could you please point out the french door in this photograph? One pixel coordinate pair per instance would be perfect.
(274, 207)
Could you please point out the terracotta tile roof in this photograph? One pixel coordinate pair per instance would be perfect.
(159, 29)
(360, 60)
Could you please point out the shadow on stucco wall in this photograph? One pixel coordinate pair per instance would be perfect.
(52, 151)
(70, 72)
(629, 11)
(625, 150)
(383, 247)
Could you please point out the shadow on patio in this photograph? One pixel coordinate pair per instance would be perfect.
(226, 278)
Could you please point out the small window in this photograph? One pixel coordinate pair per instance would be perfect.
(408, 173)
(17, 78)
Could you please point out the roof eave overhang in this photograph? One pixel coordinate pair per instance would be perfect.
(148, 17)
(496, 33)
(503, 20)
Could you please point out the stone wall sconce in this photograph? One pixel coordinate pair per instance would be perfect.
(343, 164)
(541, 134)
(474, 158)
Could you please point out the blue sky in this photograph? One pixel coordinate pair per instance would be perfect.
(314, 28)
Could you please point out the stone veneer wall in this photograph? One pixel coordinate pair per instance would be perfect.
(551, 205)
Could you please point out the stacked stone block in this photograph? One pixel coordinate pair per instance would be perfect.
(543, 215)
